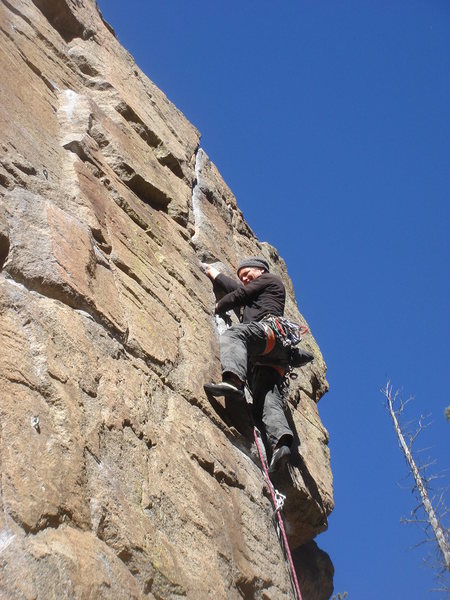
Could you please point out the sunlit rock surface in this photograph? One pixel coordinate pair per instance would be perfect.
(118, 478)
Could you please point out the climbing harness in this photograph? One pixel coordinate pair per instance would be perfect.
(270, 338)
(278, 503)
(290, 335)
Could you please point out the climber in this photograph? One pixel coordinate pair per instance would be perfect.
(249, 353)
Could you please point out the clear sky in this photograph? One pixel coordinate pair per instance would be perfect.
(330, 122)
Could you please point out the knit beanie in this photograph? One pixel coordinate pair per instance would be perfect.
(254, 261)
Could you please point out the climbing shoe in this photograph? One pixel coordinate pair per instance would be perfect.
(299, 357)
(279, 459)
(223, 389)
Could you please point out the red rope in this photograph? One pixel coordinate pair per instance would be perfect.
(280, 518)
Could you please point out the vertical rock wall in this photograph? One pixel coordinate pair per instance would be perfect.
(118, 477)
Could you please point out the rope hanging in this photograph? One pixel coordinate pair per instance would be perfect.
(278, 501)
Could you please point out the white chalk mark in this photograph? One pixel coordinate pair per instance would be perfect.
(6, 538)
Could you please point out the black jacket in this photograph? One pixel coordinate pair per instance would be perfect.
(263, 296)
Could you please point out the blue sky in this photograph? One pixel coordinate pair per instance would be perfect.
(330, 123)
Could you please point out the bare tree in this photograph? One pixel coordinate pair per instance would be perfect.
(434, 515)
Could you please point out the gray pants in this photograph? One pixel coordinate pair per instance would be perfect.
(240, 348)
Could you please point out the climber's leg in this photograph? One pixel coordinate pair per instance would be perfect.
(237, 344)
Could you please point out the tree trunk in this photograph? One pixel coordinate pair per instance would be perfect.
(426, 503)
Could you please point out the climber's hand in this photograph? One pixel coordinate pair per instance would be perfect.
(210, 271)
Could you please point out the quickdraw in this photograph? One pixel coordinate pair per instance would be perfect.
(279, 500)
(288, 332)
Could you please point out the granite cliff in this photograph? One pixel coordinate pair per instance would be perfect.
(119, 479)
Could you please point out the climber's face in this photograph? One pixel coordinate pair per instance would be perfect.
(248, 274)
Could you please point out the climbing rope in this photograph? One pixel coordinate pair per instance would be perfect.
(278, 502)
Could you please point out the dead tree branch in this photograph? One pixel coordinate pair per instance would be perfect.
(420, 483)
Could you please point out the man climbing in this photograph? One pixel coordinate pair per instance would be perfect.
(251, 352)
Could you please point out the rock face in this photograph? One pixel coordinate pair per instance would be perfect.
(118, 478)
